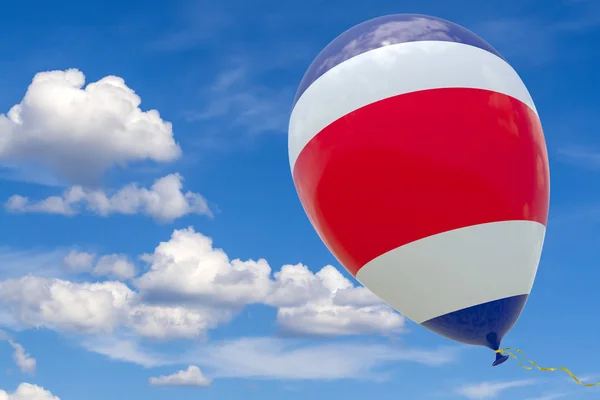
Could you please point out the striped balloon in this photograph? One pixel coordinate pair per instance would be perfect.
(419, 158)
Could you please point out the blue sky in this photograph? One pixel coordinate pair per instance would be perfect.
(105, 261)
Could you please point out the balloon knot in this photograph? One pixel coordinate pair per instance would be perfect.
(500, 358)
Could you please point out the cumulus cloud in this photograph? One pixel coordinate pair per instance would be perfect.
(24, 361)
(490, 390)
(164, 201)
(188, 266)
(79, 132)
(36, 302)
(192, 376)
(116, 266)
(170, 322)
(327, 303)
(189, 288)
(102, 307)
(77, 262)
(28, 391)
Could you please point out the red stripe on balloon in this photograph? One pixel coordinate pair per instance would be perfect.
(420, 164)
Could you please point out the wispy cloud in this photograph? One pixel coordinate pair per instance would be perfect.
(41, 262)
(276, 358)
(195, 27)
(24, 360)
(580, 156)
(536, 40)
(246, 104)
(273, 358)
(553, 396)
(490, 390)
(125, 350)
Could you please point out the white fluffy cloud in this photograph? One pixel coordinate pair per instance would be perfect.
(91, 308)
(192, 376)
(164, 201)
(169, 322)
(116, 266)
(189, 288)
(77, 262)
(79, 132)
(62, 305)
(187, 266)
(27, 391)
(326, 303)
(490, 390)
(24, 361)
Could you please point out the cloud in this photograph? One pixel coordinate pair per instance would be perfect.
(78, 133)
(164, 201)
(239, 99)
(196, 25)
(124, 350)
(189, 288)
(506, 34)
(116, 266)
(580, 156)
(549, 396)
(328, 304)
(278, 358)
(77, 262)
(187, 266)
(28, 391)
(189, 377)
(172, 322)
(537, 40)
(490, 390)
(590, 378)
(24, 361)
(101, 307)
(271, 358)
(16, 262)
(35, 302)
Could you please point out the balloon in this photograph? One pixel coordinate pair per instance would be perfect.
(420, 160)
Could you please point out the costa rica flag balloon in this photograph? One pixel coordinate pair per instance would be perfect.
(419, 157)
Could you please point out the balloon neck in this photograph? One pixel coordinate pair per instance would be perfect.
(500, 358)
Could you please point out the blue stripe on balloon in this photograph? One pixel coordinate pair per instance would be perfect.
(484, 324)
(390, 29)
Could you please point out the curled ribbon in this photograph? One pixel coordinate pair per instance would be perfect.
(507, 351)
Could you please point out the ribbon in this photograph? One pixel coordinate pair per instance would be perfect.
(507, 351)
